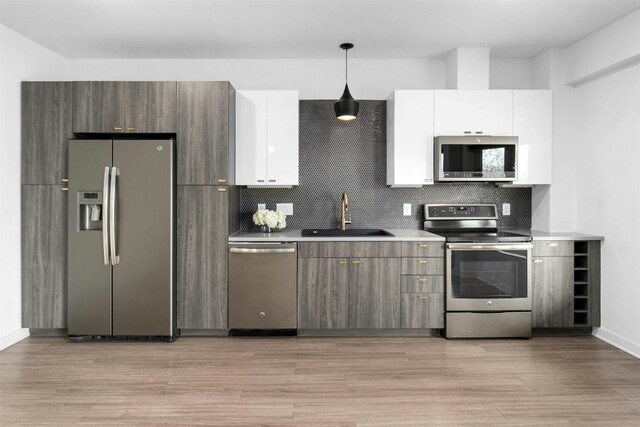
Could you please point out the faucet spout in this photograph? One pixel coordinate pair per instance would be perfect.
(344, 207)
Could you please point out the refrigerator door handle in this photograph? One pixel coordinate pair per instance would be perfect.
(105, 215)
(112, 215)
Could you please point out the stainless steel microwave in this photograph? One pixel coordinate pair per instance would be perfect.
(476, 158)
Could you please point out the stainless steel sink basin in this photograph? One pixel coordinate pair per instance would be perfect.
(353, 232)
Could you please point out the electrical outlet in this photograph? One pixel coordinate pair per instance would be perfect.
(406, 209)
(506, 209)
(285, 208)
(262, 206)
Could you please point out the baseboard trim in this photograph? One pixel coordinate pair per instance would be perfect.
(369, 332)
(13, 338)
(617, 341)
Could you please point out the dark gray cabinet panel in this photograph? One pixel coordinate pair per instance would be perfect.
(423, 249)
(428, 284)
(422, 310)
(594, 283)
(349, 249)
(552, 291)
(374, 293)
(323, 293)
(151, 107)
(124, 107)
(99, 107)
(46, 128)
(206, 134)
(203, 229)
(44, 254)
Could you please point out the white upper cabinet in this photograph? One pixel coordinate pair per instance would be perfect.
(532, 124)
(267, 138)
(473, 112)
(410, 138)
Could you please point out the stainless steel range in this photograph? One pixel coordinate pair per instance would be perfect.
(488, 274)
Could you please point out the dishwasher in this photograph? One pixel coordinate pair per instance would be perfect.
(262, 286)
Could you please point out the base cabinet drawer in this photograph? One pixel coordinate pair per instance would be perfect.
(422, 310)
(429, 284)
(423, 249)
(423, 266)
(552, 248)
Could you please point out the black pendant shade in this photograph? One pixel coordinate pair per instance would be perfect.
(346, 107)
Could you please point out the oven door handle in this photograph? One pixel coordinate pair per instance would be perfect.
(488, 247)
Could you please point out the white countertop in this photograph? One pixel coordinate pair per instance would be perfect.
(296, 236)
(557, 235)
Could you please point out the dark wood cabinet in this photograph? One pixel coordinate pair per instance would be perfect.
(374, 293)
(124, 107)
(323, 293)
(46, 128)
(44, 257)
(552, 291)
(206, 217)
(206, 133)
(422, 310)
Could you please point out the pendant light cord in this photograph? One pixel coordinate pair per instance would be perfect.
(346, 66)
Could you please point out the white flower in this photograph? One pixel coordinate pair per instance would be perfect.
(270, 218)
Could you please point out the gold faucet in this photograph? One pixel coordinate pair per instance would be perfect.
(343, 210)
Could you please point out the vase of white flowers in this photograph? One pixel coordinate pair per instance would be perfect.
(268, 219)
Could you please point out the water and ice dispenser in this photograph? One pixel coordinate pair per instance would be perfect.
(90, 210)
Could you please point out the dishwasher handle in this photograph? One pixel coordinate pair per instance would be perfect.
(262, 250)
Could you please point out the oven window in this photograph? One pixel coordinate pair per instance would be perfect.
(489, 274)
(489, 161)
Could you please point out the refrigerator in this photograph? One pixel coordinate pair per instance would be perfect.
(121, 241)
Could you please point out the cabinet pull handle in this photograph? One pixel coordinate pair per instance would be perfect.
(422, 297)
(422, 279)
(479, 132)
(118, 128)
(222, 189)
(260, 180)
(64, 179)
(272, 180)
(130, 128)
(467, 132)
(423, 245)
(553, 245)
(222, 181)
(537, 261)
(343, 262)
(64, 189)
(355, 261)
(422, 261)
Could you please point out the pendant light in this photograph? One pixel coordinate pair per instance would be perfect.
(346, 108)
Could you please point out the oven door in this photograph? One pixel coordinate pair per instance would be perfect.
(488, 276)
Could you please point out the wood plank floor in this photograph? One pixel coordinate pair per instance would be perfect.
(320, 381)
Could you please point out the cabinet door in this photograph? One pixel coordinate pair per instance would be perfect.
(99, 107)
(150, 107)
(422, 310)
(453, 112)
(44, 256)
(410, 138)
(202, 257)
(251, 137)
(282, 137)
(493, 112)
(323, 293)
(552, 289)
(374, 293)
(204, 133)
(46, 129)
(532, 124)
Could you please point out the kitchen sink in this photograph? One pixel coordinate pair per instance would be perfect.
(353, 232)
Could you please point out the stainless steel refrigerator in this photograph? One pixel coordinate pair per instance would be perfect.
(121, 246)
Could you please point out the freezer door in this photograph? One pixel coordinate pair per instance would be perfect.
(89, 279)
(143, 274)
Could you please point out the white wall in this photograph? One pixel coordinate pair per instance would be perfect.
(20, 59)
(516, 73)
(607, 198)
(314, 78)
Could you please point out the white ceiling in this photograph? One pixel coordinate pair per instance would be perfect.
(305, 28)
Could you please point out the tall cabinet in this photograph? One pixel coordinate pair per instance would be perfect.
(208, 204)
(46, 128)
